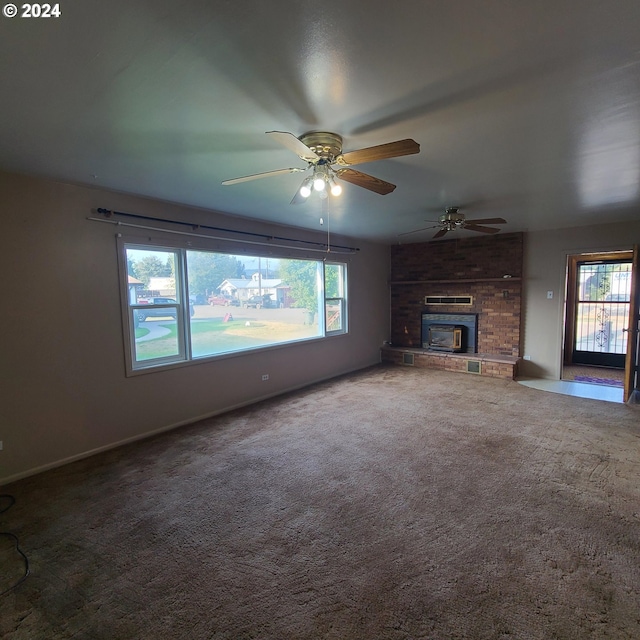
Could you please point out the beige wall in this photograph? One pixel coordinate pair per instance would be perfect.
(545, 270)
(64, 388)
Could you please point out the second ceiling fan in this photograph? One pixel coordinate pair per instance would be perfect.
(452, 219)
(321, 150)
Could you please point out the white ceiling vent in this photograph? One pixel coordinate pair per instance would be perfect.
(466, 301)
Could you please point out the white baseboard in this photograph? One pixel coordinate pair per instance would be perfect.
(148, 434)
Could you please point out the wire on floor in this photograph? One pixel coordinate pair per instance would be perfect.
(13, 537)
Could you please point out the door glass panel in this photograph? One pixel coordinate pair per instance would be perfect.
(602, 308)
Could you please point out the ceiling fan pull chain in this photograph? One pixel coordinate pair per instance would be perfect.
(325, 212)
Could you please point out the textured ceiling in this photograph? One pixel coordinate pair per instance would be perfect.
(528, 111)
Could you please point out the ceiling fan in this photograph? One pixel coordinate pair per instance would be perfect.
(321, 150)
(452, 219)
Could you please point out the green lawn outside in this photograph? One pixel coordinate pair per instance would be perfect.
(214, 336)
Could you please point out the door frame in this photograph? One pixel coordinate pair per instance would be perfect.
(631, 373)
(573, 260)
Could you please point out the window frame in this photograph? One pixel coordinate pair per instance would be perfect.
(340, 299)
(185, 356)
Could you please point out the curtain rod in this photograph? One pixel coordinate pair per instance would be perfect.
(118, 223)
(195, 226)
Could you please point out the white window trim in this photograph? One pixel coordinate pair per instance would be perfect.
(185, 357)
(342, 300)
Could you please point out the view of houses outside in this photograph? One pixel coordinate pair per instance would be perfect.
(232, 307)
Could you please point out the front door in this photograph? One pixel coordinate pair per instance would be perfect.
(600, 298)
(632, 371)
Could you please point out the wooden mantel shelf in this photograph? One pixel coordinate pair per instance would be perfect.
(461, 281)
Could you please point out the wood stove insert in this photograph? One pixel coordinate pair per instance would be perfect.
(465, 323)
(445, 337)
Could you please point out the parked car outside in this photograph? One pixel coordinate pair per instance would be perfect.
(151, 311)
(222, 300)
(260, 301)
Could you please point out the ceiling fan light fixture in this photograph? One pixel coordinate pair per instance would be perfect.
(305, 189)
(321, 150)
(319, 182)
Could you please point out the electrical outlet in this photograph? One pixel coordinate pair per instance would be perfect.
(265, 376)
(527, 357)
(550, 295)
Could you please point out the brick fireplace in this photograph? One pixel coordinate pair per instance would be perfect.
(481, 276)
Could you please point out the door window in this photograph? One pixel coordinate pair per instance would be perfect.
(602, 295)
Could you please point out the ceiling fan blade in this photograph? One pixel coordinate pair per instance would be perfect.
(365, 180)
(266, 174)
(297, 198)
(379, 152)
(294, 144)
(488, 221)
(441, 233)
(407, 233)
(477, 227)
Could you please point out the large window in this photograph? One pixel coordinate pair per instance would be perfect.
(183, 304)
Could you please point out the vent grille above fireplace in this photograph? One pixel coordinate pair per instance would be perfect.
(455, 300)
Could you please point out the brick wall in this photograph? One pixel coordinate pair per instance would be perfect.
(469, 266)
(491, 366)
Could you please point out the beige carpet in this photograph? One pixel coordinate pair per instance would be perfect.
(394, 503)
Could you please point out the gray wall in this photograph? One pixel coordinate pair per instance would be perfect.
(65, 393)
(545, 270)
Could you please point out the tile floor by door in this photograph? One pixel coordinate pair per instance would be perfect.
(570, 387)
(578, 389)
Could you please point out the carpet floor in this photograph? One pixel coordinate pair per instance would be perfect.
(394, 503)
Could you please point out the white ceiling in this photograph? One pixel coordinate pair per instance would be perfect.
(525, 110)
